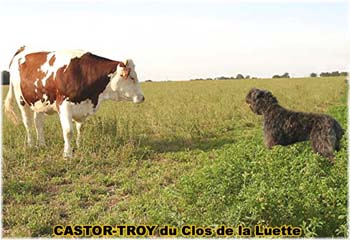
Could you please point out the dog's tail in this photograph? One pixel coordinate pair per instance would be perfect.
(8, 105)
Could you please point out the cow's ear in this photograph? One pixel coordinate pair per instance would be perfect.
(122, 70)
(129, 63)
(126, 72)
(121, 64)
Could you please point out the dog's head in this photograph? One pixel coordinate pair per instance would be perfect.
(260, 100)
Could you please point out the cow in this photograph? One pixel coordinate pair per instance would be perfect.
(71, 83)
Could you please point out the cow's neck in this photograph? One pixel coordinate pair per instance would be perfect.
(109, 94)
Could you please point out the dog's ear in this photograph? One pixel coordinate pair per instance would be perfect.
(256, 93)
(268, 95)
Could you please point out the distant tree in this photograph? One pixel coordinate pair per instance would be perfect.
(331, 74)
(239, 76)
(313, 75)
(221, 78)
(5, 78)
(335, 74)
(247, 77)
(343, 74)
(325, 74)
(285, 75)
(148, 81)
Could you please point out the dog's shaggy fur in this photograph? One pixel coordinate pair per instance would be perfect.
(285, 127)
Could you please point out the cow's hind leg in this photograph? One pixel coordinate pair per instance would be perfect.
(39, 127)
(78, 127)
(67, 128)
(27, 117)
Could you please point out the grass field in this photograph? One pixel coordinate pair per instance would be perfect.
(191, 154)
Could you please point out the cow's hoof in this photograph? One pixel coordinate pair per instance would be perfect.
(68, 155)
(40, 145)
(29, 144)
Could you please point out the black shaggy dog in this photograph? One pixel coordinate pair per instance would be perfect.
(285, 127)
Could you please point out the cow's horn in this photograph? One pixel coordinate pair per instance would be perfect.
(126, 62)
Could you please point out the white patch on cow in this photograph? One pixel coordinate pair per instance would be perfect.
(22, 60)
(62, 58)
(44, 105)
(127, 89)
(82, 110)
(45, 97)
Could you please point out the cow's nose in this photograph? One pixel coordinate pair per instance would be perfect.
(138, 99)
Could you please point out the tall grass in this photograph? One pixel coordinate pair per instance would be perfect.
(191, 154)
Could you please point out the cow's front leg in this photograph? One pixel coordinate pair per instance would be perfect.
(39, 127)
(67, 128)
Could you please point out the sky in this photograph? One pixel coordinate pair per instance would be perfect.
(181, 40)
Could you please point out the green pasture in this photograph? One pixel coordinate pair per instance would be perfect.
(192, 153)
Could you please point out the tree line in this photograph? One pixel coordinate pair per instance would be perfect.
(285, 75)
(330, 74)
(238, 76)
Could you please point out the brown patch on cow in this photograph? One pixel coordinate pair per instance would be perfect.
(59, 100)
(84, 78)
(21, 49)
(52, 60)
(31, 74)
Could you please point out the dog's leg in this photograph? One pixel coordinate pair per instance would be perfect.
(269, 143)
(269, 138)
(337, 145)
(339, 132)
(323, 142)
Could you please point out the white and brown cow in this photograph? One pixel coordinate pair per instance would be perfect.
(72, 83)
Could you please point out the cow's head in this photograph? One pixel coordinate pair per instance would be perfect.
(126, 84)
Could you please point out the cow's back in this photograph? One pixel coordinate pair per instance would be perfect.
(48, 78)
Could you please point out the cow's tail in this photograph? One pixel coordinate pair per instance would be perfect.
(21, 49)
(8, 105)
